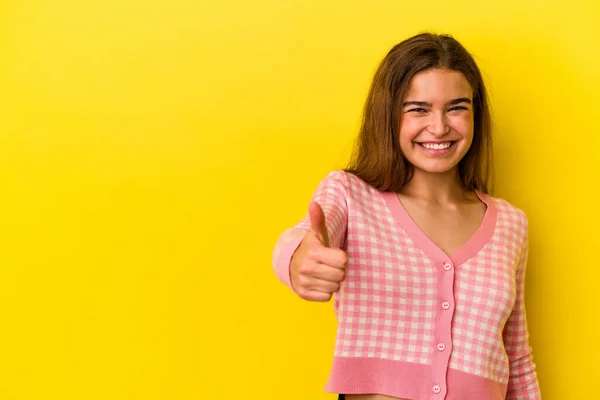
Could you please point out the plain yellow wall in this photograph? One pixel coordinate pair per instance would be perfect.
(152, 152)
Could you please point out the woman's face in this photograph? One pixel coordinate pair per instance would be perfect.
(436, 127)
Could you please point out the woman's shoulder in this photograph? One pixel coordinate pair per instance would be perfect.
(348, 180)
(508, 213)
(353, 190)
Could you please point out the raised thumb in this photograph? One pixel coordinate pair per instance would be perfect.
(317, 222)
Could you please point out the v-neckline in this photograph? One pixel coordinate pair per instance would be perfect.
(467, 250)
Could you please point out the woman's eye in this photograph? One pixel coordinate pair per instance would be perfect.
(417, 110)
(458, 108)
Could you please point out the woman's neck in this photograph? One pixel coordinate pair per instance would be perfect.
(435, 188)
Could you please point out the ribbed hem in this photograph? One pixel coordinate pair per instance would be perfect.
(407, 380)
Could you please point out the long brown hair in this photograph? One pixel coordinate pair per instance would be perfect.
(377, 158)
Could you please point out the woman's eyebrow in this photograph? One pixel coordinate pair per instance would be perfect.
(416, 103)
(428, 104)
(458, 101)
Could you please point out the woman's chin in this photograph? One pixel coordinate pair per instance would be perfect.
(437, 168)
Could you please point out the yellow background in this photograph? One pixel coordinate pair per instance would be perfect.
(152, 152)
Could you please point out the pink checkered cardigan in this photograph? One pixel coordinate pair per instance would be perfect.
(413, 322)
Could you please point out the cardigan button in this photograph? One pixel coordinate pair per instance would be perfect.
(441, 346)
(445, 305)
(447, 266)
(437, 389)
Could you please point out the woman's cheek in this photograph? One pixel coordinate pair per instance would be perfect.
(410, 128)
(463, 124)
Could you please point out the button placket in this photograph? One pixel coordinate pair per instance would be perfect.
(442, 345)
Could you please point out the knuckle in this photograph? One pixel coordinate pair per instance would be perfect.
(306, 269)
(319, 297)
(312, 252)
(302, 281)
(344, 259)
(303, 293)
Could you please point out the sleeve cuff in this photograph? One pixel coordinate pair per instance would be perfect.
(282, 255)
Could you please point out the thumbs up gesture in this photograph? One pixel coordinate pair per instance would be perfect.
(316, 269)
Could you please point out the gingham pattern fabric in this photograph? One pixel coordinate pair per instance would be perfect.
(405, 301)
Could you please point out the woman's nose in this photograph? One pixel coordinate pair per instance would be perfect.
(438, 125)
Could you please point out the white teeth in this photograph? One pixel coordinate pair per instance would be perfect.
(436, 146)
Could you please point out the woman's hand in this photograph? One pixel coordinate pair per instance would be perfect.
(316, 269)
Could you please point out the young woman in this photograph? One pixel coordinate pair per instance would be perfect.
(426, 268)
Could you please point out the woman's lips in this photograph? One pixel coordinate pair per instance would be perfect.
(436, 148)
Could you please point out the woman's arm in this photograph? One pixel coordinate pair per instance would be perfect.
(331, 194)
(522, 383)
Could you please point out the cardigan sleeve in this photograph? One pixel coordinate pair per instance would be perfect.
(331, 194)
(522, 383)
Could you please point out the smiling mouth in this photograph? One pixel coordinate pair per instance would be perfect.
(437, 145)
